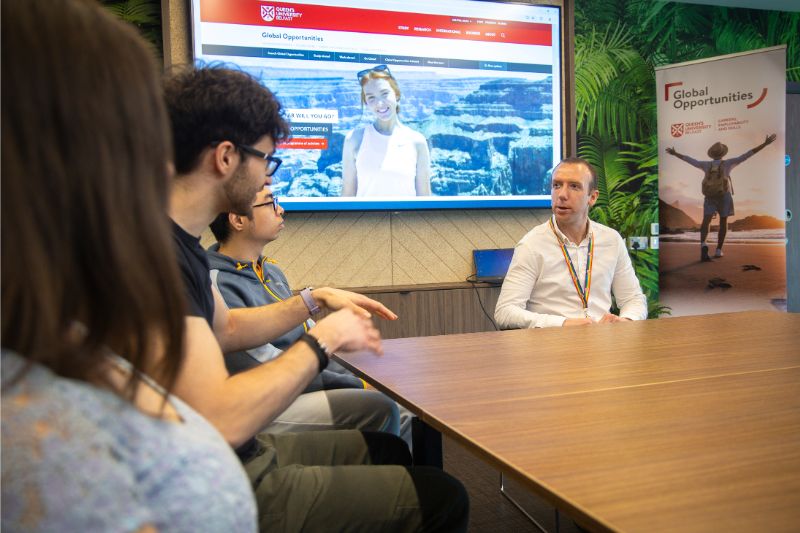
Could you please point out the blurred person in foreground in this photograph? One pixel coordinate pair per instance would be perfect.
(92, 306)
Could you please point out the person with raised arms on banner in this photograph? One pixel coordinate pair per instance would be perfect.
(717, 189)
(385, 157)
(564, 272)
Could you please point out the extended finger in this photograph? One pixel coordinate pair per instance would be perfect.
(376, 307)
(358, 310)
(384, 312)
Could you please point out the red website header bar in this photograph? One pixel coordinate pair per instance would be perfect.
(312, 17)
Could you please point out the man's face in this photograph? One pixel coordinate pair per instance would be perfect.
(266, 222)
(570, 194)
(248, 179)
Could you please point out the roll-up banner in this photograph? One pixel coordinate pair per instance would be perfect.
(721, 141)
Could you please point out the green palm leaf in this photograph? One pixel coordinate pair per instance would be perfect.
(144, 14)
(612, 84)
(139, 12)
(600, 13)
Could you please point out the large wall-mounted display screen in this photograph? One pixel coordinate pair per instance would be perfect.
(401, 104)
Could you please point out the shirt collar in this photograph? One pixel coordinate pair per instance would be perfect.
(564, 238)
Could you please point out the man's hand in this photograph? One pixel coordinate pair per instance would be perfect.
(577, 322)
(608, 317)
(335, 299)
(671, 151)
(345, 330)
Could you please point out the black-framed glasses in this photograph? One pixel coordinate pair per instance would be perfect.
(273, 203)
(273, 163)
(379, 68)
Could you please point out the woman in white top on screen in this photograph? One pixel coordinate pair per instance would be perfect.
(386, 157)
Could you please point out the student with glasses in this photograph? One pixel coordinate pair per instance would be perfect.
(316, 480)
(335, 399)
(272, 200)
(273, 163)
(384, 157)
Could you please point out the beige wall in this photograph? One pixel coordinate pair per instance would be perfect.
(398, 248)
(367, 249)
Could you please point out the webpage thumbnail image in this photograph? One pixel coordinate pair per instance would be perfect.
(488, 134)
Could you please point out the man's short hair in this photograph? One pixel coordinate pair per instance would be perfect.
(212, 104)
(221, 228)
(581, 161)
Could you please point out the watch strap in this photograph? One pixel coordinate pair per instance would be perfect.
(320, 350)
(311, 304)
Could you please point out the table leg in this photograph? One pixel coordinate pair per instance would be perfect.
(427, 444)
(516, 504)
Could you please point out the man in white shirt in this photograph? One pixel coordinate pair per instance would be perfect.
(565, 271)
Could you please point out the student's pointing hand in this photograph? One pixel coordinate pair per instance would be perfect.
(335, 299)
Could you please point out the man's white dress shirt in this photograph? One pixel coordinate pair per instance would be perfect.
(538, 290)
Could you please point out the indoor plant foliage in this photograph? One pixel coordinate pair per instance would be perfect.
(144, 14)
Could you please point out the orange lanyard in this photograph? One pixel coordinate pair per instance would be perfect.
(583, 292)
(258, 269)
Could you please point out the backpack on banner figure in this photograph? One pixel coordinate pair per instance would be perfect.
(715, 183)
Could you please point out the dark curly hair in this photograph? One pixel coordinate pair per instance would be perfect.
(214, 103)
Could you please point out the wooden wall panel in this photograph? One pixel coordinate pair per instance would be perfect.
(376, 249)
(427, 248)
(339, 249)
(436, 247)
(438, 309)
(176, 24)
(401, 248)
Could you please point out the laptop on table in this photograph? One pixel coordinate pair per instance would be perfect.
(491, 265)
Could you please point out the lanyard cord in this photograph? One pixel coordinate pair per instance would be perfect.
(258, 270)
(583, 292)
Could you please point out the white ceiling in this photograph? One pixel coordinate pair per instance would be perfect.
(775, 5)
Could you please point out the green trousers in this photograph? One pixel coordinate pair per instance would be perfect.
(350, 481)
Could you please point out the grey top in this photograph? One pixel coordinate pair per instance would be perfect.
(79, 458)
(241, 286)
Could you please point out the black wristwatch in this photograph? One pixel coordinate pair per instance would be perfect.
(321, 351)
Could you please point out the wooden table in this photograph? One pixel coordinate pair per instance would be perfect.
(676, 424)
